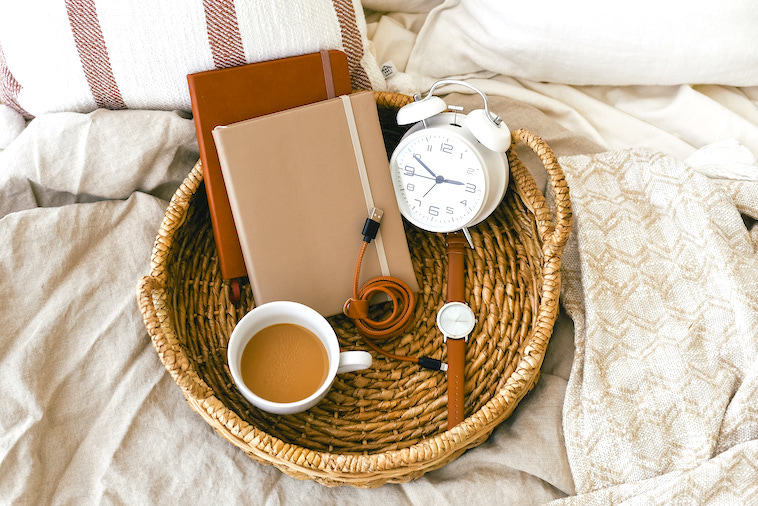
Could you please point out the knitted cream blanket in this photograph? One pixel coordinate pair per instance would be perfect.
(661, 280)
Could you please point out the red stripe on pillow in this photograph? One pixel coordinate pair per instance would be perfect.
(93, 54)
(351, 39)
(223, 33)
(9, 88)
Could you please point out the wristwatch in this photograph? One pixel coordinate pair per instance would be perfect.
(455, 320)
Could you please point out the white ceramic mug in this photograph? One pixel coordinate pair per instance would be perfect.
(291, 312)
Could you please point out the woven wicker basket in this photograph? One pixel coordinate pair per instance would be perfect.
(386, 424)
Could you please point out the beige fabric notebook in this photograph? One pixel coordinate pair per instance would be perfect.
(301, 183)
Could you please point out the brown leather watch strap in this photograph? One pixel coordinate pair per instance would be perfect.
(456, 353)
(456, 348)
(456, 253)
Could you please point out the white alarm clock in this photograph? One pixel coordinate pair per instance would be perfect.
(449, 170)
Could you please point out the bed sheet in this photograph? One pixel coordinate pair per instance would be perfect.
(89, 415)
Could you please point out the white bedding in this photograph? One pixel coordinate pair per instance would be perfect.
(89, 415)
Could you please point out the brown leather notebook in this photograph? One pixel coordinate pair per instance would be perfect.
(301, 184)
(224, 96)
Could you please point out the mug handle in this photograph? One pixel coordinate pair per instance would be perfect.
(354, 361)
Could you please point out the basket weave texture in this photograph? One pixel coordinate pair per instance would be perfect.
(387, 424)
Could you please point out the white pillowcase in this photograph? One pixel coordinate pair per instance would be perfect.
(589, 42)
(79, 56)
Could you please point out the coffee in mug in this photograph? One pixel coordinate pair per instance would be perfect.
(284, 362)
(277, 354)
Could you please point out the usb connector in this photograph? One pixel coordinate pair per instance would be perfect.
(432, 364)
(371, 227)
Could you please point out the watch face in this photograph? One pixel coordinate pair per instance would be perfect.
(439, 180)
(456, 320)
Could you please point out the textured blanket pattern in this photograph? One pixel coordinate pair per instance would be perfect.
(661, 280)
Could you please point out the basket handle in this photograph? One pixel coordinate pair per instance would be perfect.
(147, 307)
(556, 231)
(175, 362)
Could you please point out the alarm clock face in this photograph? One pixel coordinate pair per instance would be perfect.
(439, 179)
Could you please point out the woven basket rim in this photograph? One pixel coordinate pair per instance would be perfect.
(352, 468)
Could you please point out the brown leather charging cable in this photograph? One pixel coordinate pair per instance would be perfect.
(403, 304)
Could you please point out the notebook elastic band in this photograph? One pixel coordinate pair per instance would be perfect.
(363, 173)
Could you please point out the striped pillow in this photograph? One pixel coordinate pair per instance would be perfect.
(80, 55)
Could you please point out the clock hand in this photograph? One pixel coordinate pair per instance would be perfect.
(452, 182)
(430, 189)
(418, 159)
(425, 177)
